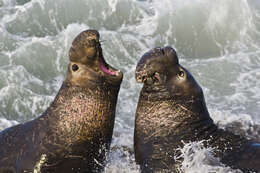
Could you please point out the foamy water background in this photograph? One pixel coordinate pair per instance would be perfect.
(217, 40)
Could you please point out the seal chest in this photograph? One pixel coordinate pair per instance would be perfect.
(74, 133)
(172, 110)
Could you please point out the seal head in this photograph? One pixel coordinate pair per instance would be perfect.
(161, 66)
(159, 69)
(87, 63)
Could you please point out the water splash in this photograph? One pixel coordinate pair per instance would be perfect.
(197, 158)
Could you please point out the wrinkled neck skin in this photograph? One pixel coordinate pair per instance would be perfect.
(80, 114)
(174, 112)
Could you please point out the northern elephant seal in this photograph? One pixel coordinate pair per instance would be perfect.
(74, 133)
(172, 111)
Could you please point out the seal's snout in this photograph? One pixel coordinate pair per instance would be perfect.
(140, 74)
(155, 62)
(143, 68)
(149, 64)
(93, 43)
(85, 47)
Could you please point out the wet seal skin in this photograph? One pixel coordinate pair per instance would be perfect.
(172, 111)
(74, 133)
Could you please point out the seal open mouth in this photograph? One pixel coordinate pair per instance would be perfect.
(107, 69)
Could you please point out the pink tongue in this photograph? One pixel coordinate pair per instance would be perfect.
(104, 69)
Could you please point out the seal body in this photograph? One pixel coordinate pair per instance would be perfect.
(172, 111)
(74, 133)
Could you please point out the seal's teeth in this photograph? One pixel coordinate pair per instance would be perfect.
(117, 72)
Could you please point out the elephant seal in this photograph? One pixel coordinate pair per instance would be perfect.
(172, 111)
(74, 133)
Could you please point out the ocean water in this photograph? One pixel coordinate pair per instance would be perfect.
(218, 41)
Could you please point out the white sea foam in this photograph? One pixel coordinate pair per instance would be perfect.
(197, 159)
(4, 123)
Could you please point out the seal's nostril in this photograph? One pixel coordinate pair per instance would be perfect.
(92, 43)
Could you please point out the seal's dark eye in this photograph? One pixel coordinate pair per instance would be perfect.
(75, 67)
(181, 73)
